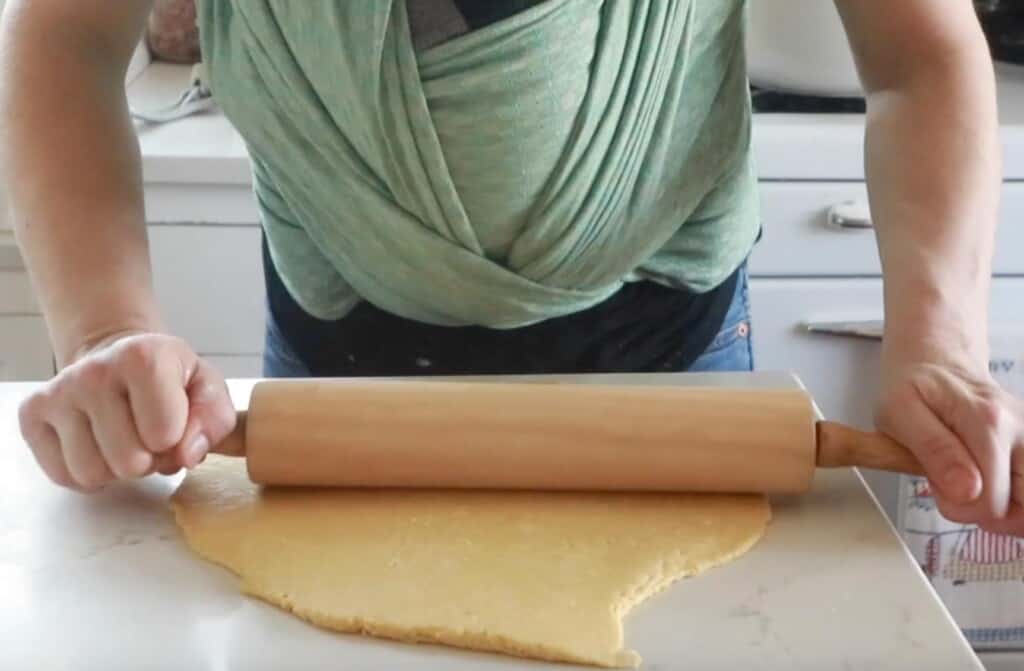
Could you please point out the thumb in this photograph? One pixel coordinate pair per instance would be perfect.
(948, 464)
(211, 414)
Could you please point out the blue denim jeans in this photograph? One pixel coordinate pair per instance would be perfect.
(279, 359)
(729, 351)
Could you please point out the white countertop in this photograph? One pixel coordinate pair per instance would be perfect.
(201, 149)
(106, 582)
(205, 149)
(830, 147)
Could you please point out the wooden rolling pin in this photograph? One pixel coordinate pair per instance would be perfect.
(545, 436)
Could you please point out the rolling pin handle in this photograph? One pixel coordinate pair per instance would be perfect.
(840, 446)
(234, 444)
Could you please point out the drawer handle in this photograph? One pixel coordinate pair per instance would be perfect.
(851, 215)
(871, 328)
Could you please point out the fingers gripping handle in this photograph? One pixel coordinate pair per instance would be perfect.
(234, 444)
(840, 446)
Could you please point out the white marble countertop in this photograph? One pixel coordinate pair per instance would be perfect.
(106, 582)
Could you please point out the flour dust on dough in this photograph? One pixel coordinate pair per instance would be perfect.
(544, 575)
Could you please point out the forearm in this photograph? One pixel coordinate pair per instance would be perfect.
(74, 176)
(933, 170)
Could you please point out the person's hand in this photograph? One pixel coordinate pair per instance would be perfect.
(130, 406)
(967, 432)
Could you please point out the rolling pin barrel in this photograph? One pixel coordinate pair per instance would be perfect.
(528, 436)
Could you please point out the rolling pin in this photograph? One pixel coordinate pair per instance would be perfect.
(545, 436)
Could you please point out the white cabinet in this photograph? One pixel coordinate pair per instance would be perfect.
(801, 239)
(24, 349)
(24, 342)
(837, 371)
(842, 372)
(237, 365)
(209, 284)
(813, 267)
(16, 295)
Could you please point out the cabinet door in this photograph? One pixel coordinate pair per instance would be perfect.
(209, 282)
(841, 372)
(798, 240)
(24, 342)
(10, 258)
(24, 349)
(802, 239)
(16, 294)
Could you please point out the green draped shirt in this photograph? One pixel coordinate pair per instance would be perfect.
(515, 173)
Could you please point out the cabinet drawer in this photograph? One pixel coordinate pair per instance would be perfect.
(209, 282)
(24, 349)
(842, 372)
(799, 238)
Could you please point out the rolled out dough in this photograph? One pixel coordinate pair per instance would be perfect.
(546, 575)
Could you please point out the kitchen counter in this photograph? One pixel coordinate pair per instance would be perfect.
(807, 146)
(106, 582)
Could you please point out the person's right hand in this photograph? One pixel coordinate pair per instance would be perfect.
(136, 404)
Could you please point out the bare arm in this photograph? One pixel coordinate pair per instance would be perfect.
(932, 160)
(933, 166)
(127, 400)
(73, 165)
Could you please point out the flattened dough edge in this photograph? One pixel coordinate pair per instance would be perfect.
(540, 575)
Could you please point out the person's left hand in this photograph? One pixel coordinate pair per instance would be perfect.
(967, 432)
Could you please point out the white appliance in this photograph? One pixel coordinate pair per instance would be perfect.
(799, 46)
